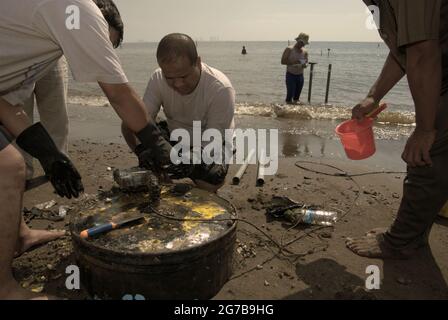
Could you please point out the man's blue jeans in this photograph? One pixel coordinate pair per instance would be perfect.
(294, 86)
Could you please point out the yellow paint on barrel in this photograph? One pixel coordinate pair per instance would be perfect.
(206, 210)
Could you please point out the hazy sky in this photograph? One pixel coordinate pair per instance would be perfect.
(246, 20)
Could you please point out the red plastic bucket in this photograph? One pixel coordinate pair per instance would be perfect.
(357, 138)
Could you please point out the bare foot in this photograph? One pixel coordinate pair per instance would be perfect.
(35, 238)
(372, 246)
(13, 291)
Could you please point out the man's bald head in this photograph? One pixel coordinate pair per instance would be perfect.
(174, 46)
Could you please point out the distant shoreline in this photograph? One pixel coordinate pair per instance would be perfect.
(255, 41)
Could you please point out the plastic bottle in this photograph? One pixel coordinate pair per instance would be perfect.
(318, 217)
(310, 216)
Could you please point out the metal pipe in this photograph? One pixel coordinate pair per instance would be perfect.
(311, 80)
(261, 167)
(328, 83)
(237, 178)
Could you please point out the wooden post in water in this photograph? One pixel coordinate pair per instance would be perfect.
(311, 81)
(328, 83)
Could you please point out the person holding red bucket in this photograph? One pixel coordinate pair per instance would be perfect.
(419, 51)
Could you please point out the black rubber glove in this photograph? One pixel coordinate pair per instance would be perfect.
(180, 171)
(154, 148)
(172, 171)
(211, 173)
(145, 158)
(58, 168)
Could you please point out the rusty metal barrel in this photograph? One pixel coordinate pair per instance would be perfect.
(170, 255)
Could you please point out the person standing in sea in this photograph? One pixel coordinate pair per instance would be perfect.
(295, 58)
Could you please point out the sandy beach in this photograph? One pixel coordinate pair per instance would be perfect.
(318, 265)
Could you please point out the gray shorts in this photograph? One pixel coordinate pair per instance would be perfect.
(4, 139)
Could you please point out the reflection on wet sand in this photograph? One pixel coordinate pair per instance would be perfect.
(294, 145)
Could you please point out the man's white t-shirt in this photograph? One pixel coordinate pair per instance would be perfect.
(212, 102)
(34, 34)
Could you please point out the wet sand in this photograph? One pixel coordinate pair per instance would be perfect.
(318, 265)
(314, 138)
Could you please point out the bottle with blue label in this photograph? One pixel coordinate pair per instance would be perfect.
(312, 217)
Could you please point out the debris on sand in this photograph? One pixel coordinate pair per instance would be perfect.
(246, 251)
(63, 210)
(38, 214)
(46, 205)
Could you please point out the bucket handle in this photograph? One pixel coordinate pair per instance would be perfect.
(377, 111)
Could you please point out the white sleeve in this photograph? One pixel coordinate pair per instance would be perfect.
(153, 96)
(222, 110)
(88, 49)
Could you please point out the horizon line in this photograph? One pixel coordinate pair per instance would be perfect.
(248, 41)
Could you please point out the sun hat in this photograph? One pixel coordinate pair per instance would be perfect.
(304, 38)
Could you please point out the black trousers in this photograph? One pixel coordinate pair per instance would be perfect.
(425, 192)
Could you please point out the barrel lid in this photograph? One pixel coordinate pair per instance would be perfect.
(169, 226)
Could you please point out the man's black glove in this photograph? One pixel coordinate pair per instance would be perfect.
(154, 148)
(214, 173)
(180, 171)
(145, 157)
(58, 168)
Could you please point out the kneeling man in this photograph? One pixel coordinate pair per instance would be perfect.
(189, 91)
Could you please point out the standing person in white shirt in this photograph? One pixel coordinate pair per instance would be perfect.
(34, 35)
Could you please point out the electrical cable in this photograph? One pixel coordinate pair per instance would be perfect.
(283, 251)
